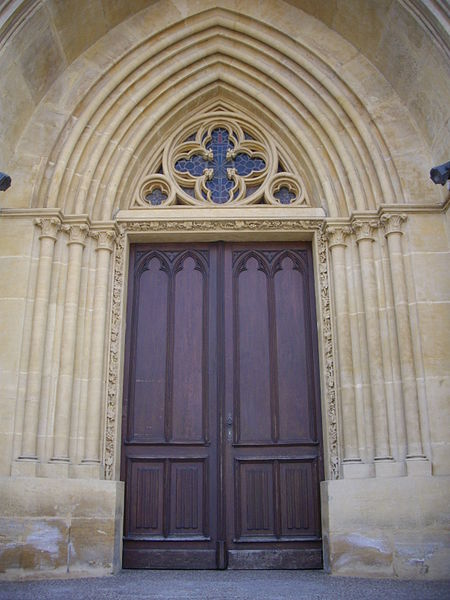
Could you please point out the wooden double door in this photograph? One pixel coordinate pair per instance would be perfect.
(221, 437)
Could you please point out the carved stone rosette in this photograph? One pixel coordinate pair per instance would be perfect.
(314, 226)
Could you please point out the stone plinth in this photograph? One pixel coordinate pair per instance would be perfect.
(57, 526)
(389, 527)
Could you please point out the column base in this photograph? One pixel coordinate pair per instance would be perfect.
(357, 470)
(56, 468)
(389, 468)
(87, 470)
(24, 467)
(418, 467)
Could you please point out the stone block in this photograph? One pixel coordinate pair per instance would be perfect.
(404, 538)
(16, 236)
(432, 283)
(40, 56)
(427, 233)
(117, 11)
(361, 22)
(59, 526)
(434, 322)
(67, 17)
(11, 323)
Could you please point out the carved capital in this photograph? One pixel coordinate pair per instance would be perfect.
(105, 239)
(49, 227)
(392, 223)
(336, 235)
(364, 230)
(77, 233)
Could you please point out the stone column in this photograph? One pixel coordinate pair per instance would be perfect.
(337, 244)
(49, 230)
(392, 226)
(364, 231)
(92, 451)
(76, 243)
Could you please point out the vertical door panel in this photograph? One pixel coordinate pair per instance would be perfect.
(252, 352)
(150, 352)
(292, 350)
(170, 405)
(273, 462)
(189, 351)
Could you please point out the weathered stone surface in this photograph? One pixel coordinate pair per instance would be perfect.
(368, 529)
(50, 525)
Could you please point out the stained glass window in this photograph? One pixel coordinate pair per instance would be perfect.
(284, 195)
(220, 185)
(156, 197)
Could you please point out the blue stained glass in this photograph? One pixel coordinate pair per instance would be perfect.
(220, 186)
(284, 195)
(156, 197)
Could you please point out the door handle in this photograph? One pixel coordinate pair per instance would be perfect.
(229, 424)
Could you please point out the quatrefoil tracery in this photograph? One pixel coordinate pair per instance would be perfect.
(220, 159)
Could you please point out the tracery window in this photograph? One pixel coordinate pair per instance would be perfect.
(220, 159)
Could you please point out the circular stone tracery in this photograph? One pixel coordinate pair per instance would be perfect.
(219, 158)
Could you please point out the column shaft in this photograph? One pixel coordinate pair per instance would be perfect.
(38, 334)
(365, 241)
(344, 344)
(68, 346)
(404, 337)
(92, 452)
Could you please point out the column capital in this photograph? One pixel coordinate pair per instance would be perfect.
(392, 223)
(364, 230)
(49, 227)
(105, 239)
(336, 235)
(77, 233)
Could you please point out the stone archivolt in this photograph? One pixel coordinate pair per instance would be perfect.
(337, 157)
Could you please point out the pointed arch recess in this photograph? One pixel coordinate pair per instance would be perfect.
(254, 69)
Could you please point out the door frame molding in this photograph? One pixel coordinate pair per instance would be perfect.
(198, 225)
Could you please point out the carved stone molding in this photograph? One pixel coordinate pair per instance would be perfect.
(336, 235)
(392, 223)
(49, 227)
(77, 233)
(329, 379)
(105, 239)
(364, 230)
